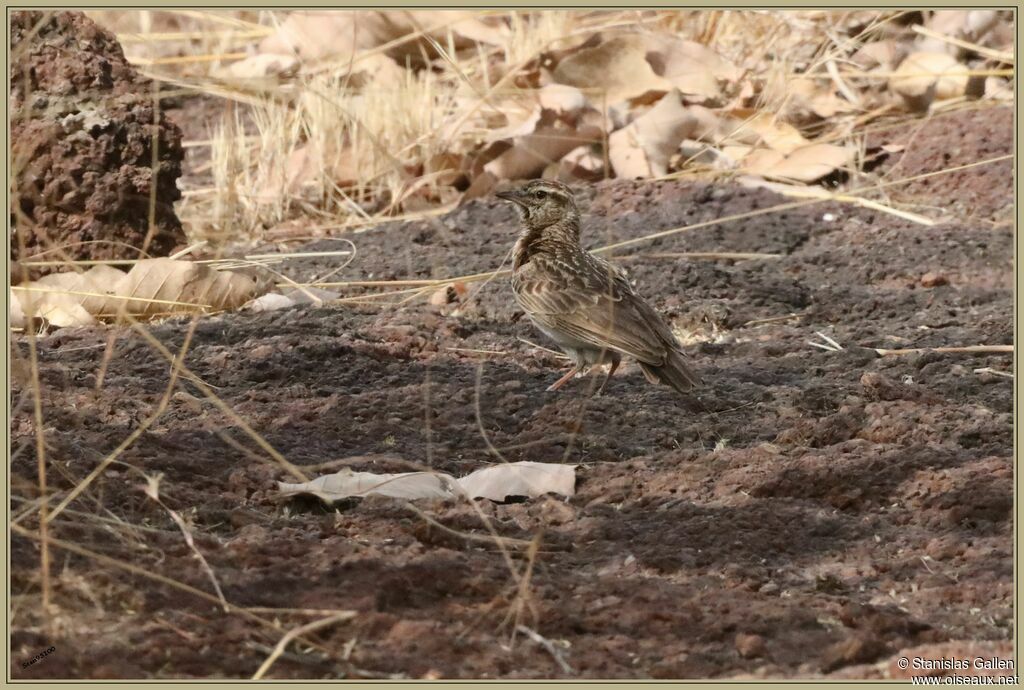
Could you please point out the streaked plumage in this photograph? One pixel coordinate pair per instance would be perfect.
(582, 302)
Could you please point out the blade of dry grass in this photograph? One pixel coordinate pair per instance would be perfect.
(967, 45)
(967, 349)
(177, 365)
(163, 579)
(295, 633)
(153, 491)
(44, 518)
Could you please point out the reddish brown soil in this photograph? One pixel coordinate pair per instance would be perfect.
(807, 513)
(82, 142)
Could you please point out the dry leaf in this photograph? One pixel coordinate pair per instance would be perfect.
(805, 164)
(530, 479)
(261, 66)
(770, 131)
(152, 287)
(709, 124)
(691, 67)
(923, 77)
(885, 54)
(497, 483)
(810, 96)
(618, 67)
(346, 484)
(583, 163)
(998, 89)
(16, 317)
(303, 166)
(643, 148)
(698, 153)
(966, 25)
(551, 138)
(561, 98)
(317, 35)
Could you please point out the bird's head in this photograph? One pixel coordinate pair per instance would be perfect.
(542, 203)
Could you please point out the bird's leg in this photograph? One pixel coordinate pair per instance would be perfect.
(561, 382)
(611, 370)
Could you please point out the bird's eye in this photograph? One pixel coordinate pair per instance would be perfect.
(539, 194)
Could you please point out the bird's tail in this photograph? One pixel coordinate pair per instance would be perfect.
(674, 372)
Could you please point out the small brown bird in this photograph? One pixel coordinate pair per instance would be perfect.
(583, 303)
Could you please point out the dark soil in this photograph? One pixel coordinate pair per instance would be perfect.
(82, 143)
(808, 513)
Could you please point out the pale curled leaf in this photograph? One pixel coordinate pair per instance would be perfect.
(320, 35)
(260, 66)
(551, 139)
(348, 484)
(805, 164)
(617, 68)
(644, 147)
(691, 67)
(152, 287)
(628, 65)
(925, 76)
(764, 128)
(530, 479)
(16, 317)
(499, 482)
(154, 282)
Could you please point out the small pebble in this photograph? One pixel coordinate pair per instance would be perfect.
(930, 280)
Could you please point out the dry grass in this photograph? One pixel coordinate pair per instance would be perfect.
(319, 147)
(387, 134)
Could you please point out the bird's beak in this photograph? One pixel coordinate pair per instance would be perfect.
(513, 195)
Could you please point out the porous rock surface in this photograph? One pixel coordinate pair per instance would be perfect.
(82, 138)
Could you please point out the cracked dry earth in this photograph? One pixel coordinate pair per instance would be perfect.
(808, 513)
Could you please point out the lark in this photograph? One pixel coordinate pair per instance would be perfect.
(582, 302)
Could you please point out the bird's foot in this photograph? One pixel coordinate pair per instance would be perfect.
(562, 381)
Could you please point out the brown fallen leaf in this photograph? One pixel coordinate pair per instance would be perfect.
(810, 96)
(691, 67)
(998, 89)
(965, 25)
(152, 287)
(261, 66)
(552, 137)
(886, 54)
(581, 164)
(617, 68)
(305, 164)
(805, 164)
(315, 36)
(760, 128)
(923, 77)
(644, 147)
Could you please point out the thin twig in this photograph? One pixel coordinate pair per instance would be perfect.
(152, 490)
(297, 632)
(550, 648)
(994, 372)
(968, 349)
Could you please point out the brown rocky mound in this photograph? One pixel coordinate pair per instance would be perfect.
(82, 142)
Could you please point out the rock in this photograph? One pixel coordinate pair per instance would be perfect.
(878, 387)
(930, 280)
(856, 649)
(750, 646)
(81, 122)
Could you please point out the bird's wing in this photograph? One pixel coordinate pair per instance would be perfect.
(596, 306)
